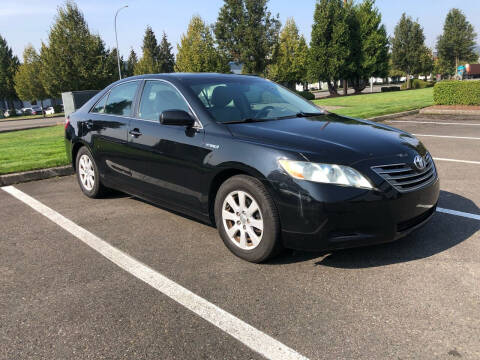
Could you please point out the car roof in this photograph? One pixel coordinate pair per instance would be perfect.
(189, 76)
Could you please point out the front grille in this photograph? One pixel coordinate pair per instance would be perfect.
(405, 177)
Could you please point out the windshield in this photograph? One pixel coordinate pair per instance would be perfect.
(250, 99)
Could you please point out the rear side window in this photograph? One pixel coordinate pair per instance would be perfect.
(120, 100)
(157, 97)
(100, 106)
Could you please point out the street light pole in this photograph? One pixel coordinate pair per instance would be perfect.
(116, 40)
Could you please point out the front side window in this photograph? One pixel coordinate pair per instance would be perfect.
(236, 99)
(157, 97)
(120, 100)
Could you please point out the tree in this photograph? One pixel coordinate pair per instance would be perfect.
(330, 45)
(408, 46)
(130, 63)
(426, 62)
(28, 80)
(197, 52)
(289, 64)
(247, 32)
(149, 63)
(165, 55)
(74, 59)
(457, 41)
(370, 45)
(8, 66)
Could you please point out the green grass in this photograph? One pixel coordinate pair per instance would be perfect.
(371, 105)
(28, 117)
(32, 149)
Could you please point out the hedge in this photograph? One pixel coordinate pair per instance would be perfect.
(306, 94)
(456, 92)
(390, 88)
(418, 84)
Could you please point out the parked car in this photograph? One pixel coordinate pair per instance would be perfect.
(50, 110)
(34, 110)
(9, 112)
(268, 167)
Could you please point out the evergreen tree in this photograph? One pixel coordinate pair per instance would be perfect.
(290, 57)
(28, 80)
(370, 44)
(197, 52)
(165, 55)
(149, 63)
(408, 46)
(8, 67)
(331, 45)
(130, 63)
(247, 32)
(74, 58)
(457, 41)
(426, 62)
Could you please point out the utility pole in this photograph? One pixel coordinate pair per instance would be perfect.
(116, 40)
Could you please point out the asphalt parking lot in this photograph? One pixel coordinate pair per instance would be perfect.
(418, 298)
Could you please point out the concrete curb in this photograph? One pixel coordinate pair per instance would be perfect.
(428, 111)
(33, 175)
(395, 115)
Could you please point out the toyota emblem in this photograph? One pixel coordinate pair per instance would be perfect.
(419, 162)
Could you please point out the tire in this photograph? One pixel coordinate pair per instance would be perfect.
(93, 188)
(253, 235)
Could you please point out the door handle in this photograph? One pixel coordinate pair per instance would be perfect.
(135, 132)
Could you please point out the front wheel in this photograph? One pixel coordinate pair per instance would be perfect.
(247, 219)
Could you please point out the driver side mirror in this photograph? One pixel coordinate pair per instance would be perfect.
(177, 117)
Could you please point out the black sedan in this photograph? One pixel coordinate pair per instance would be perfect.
(269, 168)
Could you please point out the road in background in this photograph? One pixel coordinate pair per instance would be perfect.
(10, 125)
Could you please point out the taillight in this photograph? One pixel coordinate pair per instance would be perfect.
(67, 122)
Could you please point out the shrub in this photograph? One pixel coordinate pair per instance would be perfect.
(57, 109)
(306, 94)
(456, 92)
(390, 88)
(418, 84)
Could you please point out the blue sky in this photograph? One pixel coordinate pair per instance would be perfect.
(28, 21)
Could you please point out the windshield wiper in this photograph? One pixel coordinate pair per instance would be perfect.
(242, 121)
(307, 114)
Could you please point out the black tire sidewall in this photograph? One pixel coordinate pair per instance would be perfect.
(270, 242)
(95, 192)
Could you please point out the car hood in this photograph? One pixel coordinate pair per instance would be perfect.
(331, 138)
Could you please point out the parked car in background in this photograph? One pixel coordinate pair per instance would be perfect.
(50, 110)
(9, 112)
(34, 110)
(267, 167)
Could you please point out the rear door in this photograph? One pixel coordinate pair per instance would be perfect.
(108, 126)
(166, 159)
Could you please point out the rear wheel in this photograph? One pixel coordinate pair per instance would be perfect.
(87, 174)
(247, 219)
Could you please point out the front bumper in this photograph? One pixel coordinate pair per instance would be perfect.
(323, 216)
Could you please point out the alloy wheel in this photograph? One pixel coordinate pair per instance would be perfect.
(86, 172)
(242, 219)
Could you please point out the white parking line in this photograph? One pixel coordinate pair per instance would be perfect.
(455, 160)
(459, 213)
(429, 122)
(238, 329)
(450, 137)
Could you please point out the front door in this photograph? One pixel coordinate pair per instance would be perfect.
(167, 159)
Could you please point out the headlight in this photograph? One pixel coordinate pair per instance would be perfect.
(325, 173)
